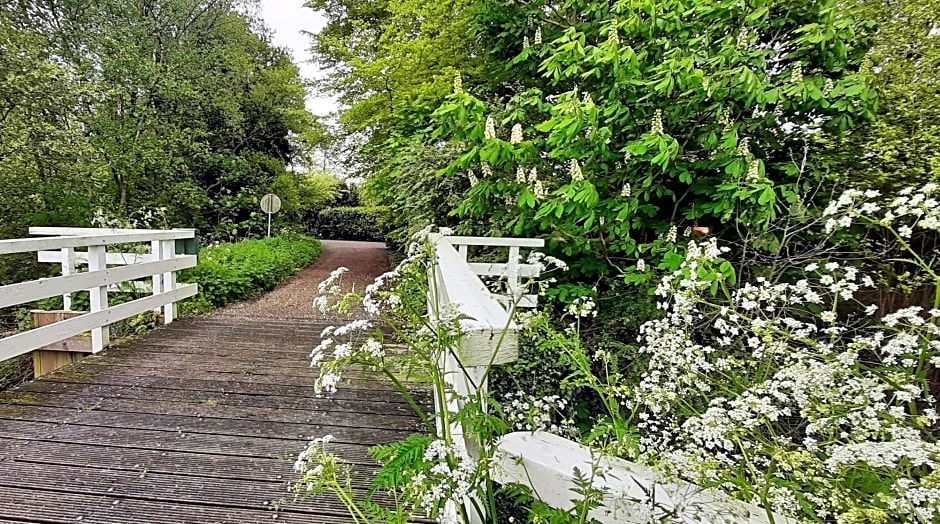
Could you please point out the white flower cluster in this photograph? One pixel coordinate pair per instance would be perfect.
(515, 136)
(545, 262)
(912, 209)
(626, 191)
(529, 413)
(656, 127)
(613, 38)
(450, 477)
(489, 129)
(575, 169)
(316, 467)
(760, 387)
(582, 307)
(538, 36)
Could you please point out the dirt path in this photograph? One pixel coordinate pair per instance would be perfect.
(294, 298)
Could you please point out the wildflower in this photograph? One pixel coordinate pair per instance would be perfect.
(516, 136)
(828, 87)
(576, 175)
(538, 36)
(796, 74)
(641, 265)
(744, 147)
(613, 39)
(489, 131)
(335, 275)
(672, 235)
(656, 127)
(525, 42)
(473, 178)
(626, 191)
(458, 83)
(487, 170)
(539, 190)
(687, 232)
(520, 175)
(753, 171)
(533, 175)
(743, 38)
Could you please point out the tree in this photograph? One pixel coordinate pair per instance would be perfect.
(902, 148)
(637, 119)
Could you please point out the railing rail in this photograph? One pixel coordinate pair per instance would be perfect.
(547, 463)
(160, 265)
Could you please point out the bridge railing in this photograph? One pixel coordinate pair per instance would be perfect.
(548, 464)
(74, 247)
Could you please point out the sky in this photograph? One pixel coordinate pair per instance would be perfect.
(287, 18)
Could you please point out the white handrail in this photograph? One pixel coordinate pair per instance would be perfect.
(546, 463)
(161, 265)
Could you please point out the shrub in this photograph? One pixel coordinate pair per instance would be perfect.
(228, 273)
(352, 223)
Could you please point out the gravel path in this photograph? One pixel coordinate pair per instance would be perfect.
(294, 298)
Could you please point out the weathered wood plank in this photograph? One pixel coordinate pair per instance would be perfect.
(50, 506)
(212, 408)
(348, 433)
(394, 407)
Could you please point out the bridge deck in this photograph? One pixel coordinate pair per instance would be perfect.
(195, 422)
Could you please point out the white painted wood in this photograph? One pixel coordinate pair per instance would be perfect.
(157, 279)
(489, 334)
(484, 269)
(496, 241)
(34, 339)
(81, 258)
(98, 296)
(547, 464)
(13, 294)
(512, 278)
(67, 261)
(168, 252)
(26, 245)
(463, 249)
(526, 301)
(79, 231)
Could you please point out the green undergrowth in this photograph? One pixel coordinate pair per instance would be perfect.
(229, 273)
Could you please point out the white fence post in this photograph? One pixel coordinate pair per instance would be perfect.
(98, 297)
(68, 268)
(168, 252)
(156, 251)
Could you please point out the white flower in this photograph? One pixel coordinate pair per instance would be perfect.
(626, 191)
(489, 130)
(515, 136)
(576, 175)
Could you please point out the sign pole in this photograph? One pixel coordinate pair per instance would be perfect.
(270, 204)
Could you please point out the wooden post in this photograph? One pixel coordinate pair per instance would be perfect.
(512, 276)
(98, 261)
(68, 268)
(54, 356)
(168, 252)
(156, 251)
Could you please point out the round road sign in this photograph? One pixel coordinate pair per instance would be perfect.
(270, 203)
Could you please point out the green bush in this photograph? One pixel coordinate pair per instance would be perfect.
(352, 223)
(228, 273)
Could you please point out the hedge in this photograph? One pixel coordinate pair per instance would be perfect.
(228, 273)
(351, 223)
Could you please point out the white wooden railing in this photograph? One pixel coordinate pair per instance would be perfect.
(74, 247)
(546, 463)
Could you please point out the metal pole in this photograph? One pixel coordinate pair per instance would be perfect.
(269, 225)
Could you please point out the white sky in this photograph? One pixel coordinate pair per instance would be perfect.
(287, 18)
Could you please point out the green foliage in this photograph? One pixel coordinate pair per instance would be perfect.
(228, 273)
(902, 147)
(184, 106)
(641, 116)
(351, 223)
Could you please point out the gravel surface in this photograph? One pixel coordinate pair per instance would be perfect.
(294, 298)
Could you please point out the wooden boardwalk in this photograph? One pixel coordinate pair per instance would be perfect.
(195, 422)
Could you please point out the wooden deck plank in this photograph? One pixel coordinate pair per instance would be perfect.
(160, 461)
(199, 421)
(386, 407)
(214, 409)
